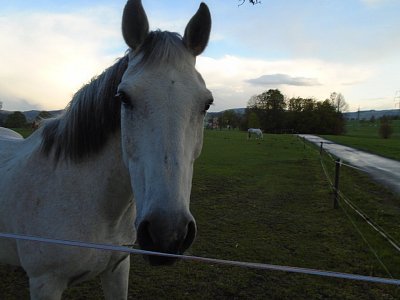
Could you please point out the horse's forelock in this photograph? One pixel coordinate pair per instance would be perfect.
(162, 47)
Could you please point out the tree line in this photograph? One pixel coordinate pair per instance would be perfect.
(18, 120)
(273, 112)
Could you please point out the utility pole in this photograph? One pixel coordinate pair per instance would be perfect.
(397, 100)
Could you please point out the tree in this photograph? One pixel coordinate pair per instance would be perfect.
(272, 100)
(385, 129)
(307, 115)
(252, 103)
(229, 119)
(330, 121)
(43, 115)
(338, 102)
(241, 2)
(301, 116)
(15, 120)
(270, 108)
(1, 105)
(253, 120)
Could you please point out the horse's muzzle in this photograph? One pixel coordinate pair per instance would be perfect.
(158, 236)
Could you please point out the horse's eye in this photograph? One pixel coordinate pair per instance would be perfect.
(208, 104)
(123, 98)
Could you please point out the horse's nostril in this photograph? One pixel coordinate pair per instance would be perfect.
(190, 235)
(144, 236)
(153, 236)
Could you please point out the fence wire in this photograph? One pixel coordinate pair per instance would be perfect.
(307, 271)
(392, 241)
(251, 265)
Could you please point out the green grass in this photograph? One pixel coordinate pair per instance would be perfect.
(25, 132)
(268, 202)
(365, 136)
(368, 129)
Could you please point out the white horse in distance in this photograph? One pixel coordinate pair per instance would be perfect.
(256, 131)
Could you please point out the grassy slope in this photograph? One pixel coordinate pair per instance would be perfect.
(264, 202)
(25, 132)
(364, 136)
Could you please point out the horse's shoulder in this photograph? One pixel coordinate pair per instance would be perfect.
(13, 148)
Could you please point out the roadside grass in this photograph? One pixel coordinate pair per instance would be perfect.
(364, 136)
(370, 129)
(266, 201)
(374, 201)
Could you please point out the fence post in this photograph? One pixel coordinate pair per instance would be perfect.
(321, 148)
(336, 188)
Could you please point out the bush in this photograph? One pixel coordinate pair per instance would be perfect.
(385, 129)
(15, 120)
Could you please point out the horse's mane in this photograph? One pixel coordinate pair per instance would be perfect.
(93, 113)
(91, 116)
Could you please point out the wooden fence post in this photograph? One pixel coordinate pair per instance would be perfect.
(336, 188)
(321, 148)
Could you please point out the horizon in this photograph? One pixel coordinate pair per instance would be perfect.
(208, 112)
(49, 49)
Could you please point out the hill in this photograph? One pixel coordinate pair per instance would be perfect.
(30, 115)
(368, 114)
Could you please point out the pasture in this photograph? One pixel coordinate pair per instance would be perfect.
(25, 132)
(264, 201)
(365, 136)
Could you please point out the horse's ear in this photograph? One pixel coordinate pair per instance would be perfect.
(135, 25)
(197, 31)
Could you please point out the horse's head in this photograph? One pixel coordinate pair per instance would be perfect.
(164, 100)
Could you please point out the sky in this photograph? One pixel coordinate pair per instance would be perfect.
(304, 48)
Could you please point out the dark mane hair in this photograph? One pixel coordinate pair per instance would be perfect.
(93, 113)
(91, 116)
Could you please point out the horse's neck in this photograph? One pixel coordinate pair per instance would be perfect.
(110, 176)
(101, 178)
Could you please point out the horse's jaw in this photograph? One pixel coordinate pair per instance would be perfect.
(163, 222)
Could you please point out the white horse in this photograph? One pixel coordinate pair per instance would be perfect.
(6, 133)
(256, 131)
(111, 169)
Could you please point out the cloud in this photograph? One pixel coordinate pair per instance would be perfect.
(374, 2)
(46, 57)
(227, 78)
(280, 79)
(16, 104)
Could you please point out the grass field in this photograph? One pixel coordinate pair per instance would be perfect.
(25, 132)
(365, 136)
(268, 202)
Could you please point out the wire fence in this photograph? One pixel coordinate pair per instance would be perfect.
(347, 205)
(259, 266)
(350, 205)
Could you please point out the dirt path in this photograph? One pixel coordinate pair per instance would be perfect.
(383, 170)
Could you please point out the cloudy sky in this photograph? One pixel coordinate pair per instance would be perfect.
(306, 48)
